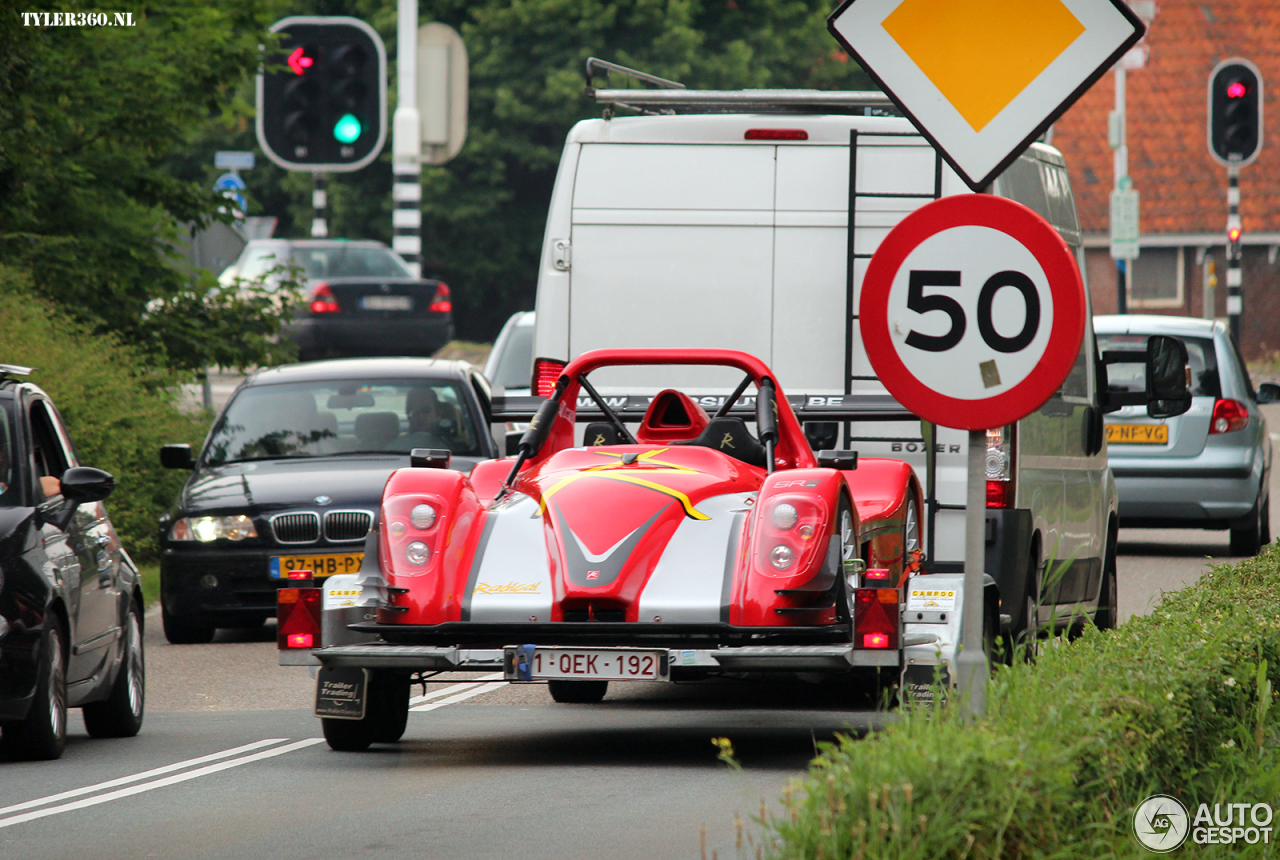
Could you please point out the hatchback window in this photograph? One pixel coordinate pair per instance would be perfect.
(340, 418)
(345, 261)
(259, 263)
(1130, 376)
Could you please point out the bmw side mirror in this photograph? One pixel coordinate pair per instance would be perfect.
(1168, 377)
(82, 484)
(177, 457)
(1269, 392)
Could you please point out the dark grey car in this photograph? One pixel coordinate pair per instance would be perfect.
(1207, 468)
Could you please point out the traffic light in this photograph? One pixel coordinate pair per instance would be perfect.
(322, 101)
(1235, 112)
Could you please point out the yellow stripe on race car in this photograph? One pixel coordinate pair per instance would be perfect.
(630, 479)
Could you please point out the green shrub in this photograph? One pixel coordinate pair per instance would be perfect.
(1176, 702)
(118, 412)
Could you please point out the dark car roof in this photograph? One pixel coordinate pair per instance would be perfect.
(362, 368)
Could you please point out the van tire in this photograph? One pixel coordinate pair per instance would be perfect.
(1107, 615)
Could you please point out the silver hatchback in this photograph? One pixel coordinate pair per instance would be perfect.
(1207, 468)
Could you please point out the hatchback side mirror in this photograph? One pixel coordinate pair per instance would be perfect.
(1269, 392)
(177, 457)
(82, 484)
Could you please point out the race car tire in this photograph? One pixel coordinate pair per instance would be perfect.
(393, 713)
(43, 734)
(578, 692)
(120, 714)
(180, 632)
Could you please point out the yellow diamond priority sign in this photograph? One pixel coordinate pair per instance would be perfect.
(981, 79)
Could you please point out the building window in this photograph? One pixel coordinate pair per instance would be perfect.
(1156, 279)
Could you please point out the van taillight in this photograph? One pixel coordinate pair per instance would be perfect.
(875, 613)
(545, 373)
(323, 301)
(1228, 415)
(298, 617)
(776, 134)
(999, 467)
(440, 303)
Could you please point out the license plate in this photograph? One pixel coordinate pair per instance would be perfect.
(529, 663)
(319, 565)
(386, 303)
(1138, 434)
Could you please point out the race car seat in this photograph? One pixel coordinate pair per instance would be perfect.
(730, 436)
(671, 417)
(600, 433)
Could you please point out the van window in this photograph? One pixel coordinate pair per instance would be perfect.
(1057, 189)
(1130, 377)
(1022, 182)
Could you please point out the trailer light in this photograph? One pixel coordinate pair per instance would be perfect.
(300, 640)
(879, 574)
(873, 612)
(781, 556)
(417, 553)
(298, 617)
(875, 640)
(300, 574)
(785, 516)
(423, 517)
(776, 134)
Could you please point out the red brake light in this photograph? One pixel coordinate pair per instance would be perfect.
(1228, 415)
(298, 617)
(999, 494)
(323, 301)
(545, 373)
(440, 303)
(875, 640)
(878, 574)
(776, 134)
(300, 574)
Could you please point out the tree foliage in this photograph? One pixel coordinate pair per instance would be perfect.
(89, 204)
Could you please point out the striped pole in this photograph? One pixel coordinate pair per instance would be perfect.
(319, 203)
(1235, 286)
(406, 219)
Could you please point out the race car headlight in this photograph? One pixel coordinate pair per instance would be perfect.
(206, 529)
(785, 516)
(417, 553)
(781, 556)
(423, 517)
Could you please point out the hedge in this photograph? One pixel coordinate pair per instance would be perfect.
(118, 411)
(1176, 702)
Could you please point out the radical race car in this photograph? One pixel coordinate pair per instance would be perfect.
(689, 548)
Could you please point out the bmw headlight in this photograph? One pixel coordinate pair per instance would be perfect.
(206, 529)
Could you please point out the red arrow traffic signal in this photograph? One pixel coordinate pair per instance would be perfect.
(299, 61)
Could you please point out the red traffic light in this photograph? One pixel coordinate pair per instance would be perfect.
(1236, 91)
(299, 61)
(1234, 234)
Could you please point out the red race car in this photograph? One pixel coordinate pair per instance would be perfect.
(685, 548)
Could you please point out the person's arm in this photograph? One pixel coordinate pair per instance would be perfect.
(50, 486)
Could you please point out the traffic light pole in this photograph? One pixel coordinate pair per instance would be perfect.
(319, 205)
(406, 142)
(1235, 284)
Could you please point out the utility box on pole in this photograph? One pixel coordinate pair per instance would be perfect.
(442, 92)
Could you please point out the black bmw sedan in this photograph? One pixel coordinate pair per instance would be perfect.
(291, 476)
(70, 600)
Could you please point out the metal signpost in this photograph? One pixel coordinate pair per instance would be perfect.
(973, 320)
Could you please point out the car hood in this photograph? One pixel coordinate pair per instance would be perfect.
(275, 484)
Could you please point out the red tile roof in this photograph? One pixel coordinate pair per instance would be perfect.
(1183, 188)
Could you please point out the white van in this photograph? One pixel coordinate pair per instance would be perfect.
(705, 227)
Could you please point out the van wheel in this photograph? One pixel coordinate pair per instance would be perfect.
(1248, 541)
(1108, 614)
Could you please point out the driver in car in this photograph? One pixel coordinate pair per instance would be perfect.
(427, 426)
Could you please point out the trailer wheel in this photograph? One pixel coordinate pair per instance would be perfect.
(393, 716)
(578, 692)
(386, 713)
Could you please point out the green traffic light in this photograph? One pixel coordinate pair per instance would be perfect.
(347, 129)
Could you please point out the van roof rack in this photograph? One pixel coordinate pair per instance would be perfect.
(7, 370)
(671, 97)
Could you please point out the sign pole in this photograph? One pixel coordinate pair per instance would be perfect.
(971, 664)
(406, 145)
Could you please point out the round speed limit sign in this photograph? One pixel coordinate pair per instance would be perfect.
(972, 311)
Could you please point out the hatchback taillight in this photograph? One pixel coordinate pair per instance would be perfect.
(545, 373)
(323, 301)
(1228, 415)
(441, 303)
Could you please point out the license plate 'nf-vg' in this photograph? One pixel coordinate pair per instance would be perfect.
(1138, 434)
(531, 663)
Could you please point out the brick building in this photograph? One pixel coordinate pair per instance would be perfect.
(1183, 189)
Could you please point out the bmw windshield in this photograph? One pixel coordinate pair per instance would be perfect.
(342, 418)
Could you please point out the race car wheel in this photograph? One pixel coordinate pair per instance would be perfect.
(181, 632)
(120, 715)
(849, 553)
(578, 692)
(43, 734)
(392, 717)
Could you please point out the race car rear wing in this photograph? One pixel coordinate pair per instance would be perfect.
(631, 407)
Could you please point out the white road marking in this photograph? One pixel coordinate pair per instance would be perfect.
(484, 680)
(460, 697)
(159, 783)
(137, 777)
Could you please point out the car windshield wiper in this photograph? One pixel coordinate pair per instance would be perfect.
(259, 459)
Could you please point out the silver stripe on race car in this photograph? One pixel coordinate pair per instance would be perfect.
(513, 582)
(687, 584)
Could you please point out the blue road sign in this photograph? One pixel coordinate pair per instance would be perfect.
(231, 185)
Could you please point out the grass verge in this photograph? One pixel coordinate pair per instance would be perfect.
(150, 576)
(1177, 702)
